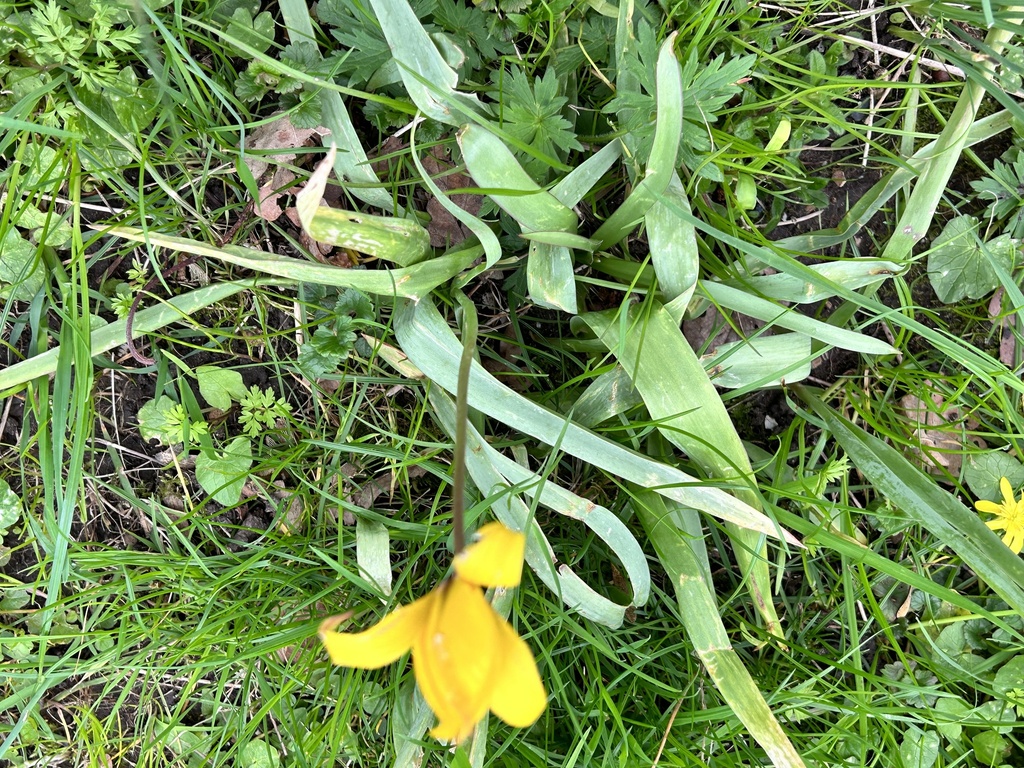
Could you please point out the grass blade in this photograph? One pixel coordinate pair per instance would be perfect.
(112, 335)
(931, 185)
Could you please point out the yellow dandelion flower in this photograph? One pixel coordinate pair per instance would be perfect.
(1009, 516)
(466, 658)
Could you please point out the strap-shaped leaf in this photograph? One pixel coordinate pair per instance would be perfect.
(402, 241)
(430, 344)
(549, 277)
(761, 309)
(691, 415)
(765, 361)
(352, 164)
(514, 513)
(662, 162)
(700, 614)
(673, 246)
(578, 182)
(415, 281)
(425, 74)
(849, 273)
(488, 240)
(494, 167)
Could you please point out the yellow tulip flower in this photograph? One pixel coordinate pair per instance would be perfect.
(466, 658)
(1009, 516)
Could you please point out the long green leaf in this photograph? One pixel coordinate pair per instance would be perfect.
(608, 395)
(767, 361)
(578, 182)
(493, 166)
(850, 273)
(430, 344)
(662, 162)
(402, 241)
(673, 246)
(762, 309)
(702, 621)
(549, 277)
(690, 414)
(352, 163)
(769, 312)
(414, 282)
(987, 369)
(425, 74)
(515, 514)
(488, 240)
(917, 495)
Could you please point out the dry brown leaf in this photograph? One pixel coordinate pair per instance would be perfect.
(938, 448)
(275, 137)
(278, 134)
(698, 330)
(445, 230)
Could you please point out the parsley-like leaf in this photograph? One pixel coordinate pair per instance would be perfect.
(367, 52)
(534, 116)
(327, 349)
(1003, 188)
(709, 86)
(471, 30)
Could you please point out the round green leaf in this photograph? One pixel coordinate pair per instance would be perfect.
(223, 476)
(219, 387)
(983, 471)
(959, 265)
(990, 747)
(258, 754)
(951, 710)
(919, 749)
(10, 507)
(21, 276)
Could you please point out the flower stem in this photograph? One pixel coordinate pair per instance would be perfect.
(469, 331)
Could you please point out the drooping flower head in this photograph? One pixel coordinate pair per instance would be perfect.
(1009, 516)
(466, 658)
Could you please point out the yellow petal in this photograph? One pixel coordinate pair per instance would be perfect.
(518, 696)
(452, 730)
(1004, 486)
(996, 525)
(988, 506)
(495, 559)
(381, 644)
(1018, 545)
(454, 657)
